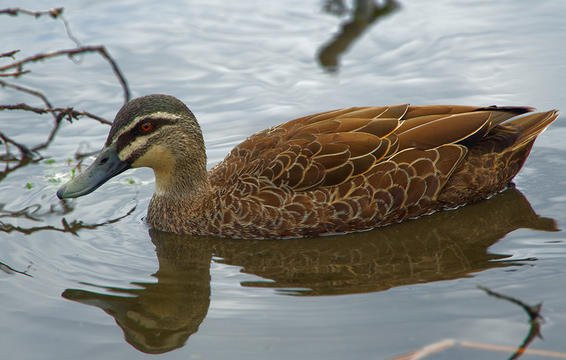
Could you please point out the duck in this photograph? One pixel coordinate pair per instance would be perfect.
(334, 172)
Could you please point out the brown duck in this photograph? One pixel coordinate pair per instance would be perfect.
(334, 172)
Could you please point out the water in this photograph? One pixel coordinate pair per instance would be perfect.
(117, 290)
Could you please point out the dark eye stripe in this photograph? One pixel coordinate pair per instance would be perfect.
(129, 136)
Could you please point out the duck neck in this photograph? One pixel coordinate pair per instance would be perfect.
(183, 181)
(179, 193)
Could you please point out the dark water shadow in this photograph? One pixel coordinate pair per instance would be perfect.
(363, 14)
(159, 316)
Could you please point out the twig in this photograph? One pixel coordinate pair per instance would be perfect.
(9, 54)
(24, 161)
(70, 53)
(33, 92)
(27, 90)
(68, 112)
(24, 150)
(82, 155)
(69, 33)
(59, 114)
(14, 74)
(54, 13)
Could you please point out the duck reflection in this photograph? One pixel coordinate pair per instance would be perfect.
(364, 13)
(160, 316)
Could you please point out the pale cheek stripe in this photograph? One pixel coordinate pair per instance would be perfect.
(136, 121)
(138, 143)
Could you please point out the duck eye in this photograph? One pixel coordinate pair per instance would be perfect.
(146, 127)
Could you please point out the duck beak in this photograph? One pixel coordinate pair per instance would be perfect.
(106, 166)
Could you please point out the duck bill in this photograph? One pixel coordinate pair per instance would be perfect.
(106, 166)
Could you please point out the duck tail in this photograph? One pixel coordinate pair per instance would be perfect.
(500, 114)
(530, 126)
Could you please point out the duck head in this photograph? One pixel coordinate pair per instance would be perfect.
(155, 131)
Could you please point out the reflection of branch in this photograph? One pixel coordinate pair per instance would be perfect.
(73, 227)
(101, 50)
(364, 14)
(26, 212)
(535, 319)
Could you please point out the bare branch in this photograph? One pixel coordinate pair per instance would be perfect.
(14, 74)
(32, 92)
(27, 90)
(16, 69)
(54, 13)
(82, 155)
(101, 50)
(68, 112)
(24, 150)
(9, 54)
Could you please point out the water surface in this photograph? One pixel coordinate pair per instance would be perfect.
(94, 289)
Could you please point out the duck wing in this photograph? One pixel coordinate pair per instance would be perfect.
(330, 148)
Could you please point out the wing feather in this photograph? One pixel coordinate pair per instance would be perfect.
(413, 147)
